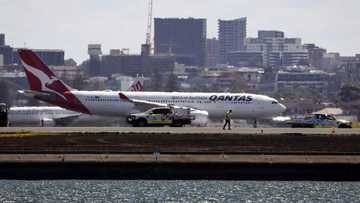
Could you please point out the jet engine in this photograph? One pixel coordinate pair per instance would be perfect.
(201, 118)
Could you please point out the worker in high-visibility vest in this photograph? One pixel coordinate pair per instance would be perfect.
(227, 120)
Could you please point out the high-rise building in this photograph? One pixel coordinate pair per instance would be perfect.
(212, 52)
(5, 51)
(2, 39)
(331, 61)
(316, 55)
(232, 35)
(94, 51)
(185, 38)
(352, 72)
(275, 51)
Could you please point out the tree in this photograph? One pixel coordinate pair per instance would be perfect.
(349, 97)
(239, 85)
(349, 93)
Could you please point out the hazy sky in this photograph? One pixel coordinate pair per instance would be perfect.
(72, 24)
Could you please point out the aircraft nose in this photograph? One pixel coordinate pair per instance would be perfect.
(282, 107)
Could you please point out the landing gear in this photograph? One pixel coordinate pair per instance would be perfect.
(255, 123)
(140, 123)
(3, 115)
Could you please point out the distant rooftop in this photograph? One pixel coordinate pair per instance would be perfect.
(12, 74)
(250, 70)
(43, 50)
(237, 19)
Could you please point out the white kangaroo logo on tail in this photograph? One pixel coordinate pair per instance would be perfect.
(44, 79)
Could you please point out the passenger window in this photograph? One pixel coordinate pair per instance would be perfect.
(166, 111)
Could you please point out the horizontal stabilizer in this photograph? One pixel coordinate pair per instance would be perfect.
(32, 93)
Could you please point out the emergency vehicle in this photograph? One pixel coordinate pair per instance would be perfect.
(319, 121)
(160, 116)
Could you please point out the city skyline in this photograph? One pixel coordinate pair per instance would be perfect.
(72, 25)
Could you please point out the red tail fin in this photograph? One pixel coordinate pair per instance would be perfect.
(137, 85)
(40, 77)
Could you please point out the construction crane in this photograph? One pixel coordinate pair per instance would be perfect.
(146, 49)
(149, 23)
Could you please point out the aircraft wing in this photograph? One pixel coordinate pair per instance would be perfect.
(145, 105)
(141, 105)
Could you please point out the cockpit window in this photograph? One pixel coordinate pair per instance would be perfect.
(274, 102)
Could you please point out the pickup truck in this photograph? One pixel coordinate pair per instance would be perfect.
(319, 121)
(160, 116)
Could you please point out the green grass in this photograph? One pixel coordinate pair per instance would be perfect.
(27, 134)
(356, 125)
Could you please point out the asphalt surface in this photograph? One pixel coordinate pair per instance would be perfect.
(173, 158)
(143, 145)
(185, 130)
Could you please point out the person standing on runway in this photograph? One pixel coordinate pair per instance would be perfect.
(227, 120)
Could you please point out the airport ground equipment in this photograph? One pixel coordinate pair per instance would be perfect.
(3, 115)
(160, 116)
(319, 121)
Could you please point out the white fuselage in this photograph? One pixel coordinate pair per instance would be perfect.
(243, 105)
(31, 115)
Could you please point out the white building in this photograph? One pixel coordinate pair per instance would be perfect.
(275, 49)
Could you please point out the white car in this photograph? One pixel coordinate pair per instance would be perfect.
(319, 121)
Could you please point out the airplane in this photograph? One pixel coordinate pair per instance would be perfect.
(45, 86)
(50, 116)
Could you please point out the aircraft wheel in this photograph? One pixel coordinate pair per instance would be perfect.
(141, 122)
(344, 126)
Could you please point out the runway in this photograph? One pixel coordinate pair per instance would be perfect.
(179, 153)
(183, 158)
(184, 130)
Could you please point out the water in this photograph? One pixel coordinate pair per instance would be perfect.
(177, 191)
